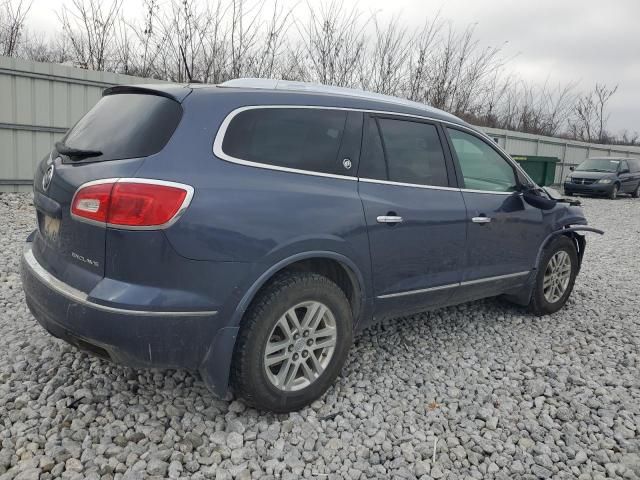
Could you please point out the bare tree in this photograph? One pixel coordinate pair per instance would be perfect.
(12, 17)
(265, 60)
(628, 138)
(334, 44)
(602, 96)
(384, 68)
(90, 25)
(420, 59)
(589, 122)
(39, 48)
(244, 34)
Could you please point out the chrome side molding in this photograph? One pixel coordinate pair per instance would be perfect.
(454, 285)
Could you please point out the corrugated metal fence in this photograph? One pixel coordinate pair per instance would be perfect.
(40, 101)
(569, 152)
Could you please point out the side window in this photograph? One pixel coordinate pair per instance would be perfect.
(304, 139)
(372, 164)
(634, 165)
(413, 152)
(482, 167)
(623, 166)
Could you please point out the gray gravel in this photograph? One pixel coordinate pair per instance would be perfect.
(482, 390)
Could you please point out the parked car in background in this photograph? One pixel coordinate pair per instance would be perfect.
(606, 176)
(247, 230)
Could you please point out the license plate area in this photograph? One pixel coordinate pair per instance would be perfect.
(49, 228)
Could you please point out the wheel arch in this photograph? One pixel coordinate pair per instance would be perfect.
(339, 268)
(215, 367)
(572, 233)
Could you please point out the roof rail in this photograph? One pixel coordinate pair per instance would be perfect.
(274, 84)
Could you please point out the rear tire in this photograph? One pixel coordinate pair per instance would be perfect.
(304, 319)
(555, 277)
(636, 192)
(614, 191)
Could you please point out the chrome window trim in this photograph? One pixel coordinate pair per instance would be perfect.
(150, 181)
(222, 130)
(414, 185)
(454, 285)
(78, 296)
(470, 190)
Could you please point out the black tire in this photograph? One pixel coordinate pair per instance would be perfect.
(636, 192)
(539, 304)
(249, 379)
(614, 191)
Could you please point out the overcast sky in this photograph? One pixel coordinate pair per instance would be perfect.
(587, 41)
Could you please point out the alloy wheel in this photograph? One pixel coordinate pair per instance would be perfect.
(557, 276)
(300, 346)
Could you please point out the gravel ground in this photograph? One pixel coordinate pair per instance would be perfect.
(481, 390)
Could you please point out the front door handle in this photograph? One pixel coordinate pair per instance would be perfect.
(389, 219)
(481, 220)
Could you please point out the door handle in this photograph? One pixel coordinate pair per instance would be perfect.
(389, 219)
(481, 220)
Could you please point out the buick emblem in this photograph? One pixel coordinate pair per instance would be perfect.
(48, 176)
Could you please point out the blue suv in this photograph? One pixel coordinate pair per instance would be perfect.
(246, 231)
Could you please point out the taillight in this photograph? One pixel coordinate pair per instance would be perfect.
(131, 203)
(92, 202)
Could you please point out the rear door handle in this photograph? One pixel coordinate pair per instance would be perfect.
(481, 220)
(389, 219)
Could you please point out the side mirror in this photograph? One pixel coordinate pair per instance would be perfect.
(539, 201)
(572, 168)
(553, 193)
(626, 170)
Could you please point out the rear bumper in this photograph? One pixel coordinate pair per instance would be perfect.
(591, 189)
(134, 337)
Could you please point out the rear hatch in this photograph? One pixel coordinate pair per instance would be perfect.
(112, 140)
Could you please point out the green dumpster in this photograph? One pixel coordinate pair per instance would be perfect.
(541, 169)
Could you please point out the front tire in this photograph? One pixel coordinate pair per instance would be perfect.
(293, 342)
(555, 277)
(614, 191)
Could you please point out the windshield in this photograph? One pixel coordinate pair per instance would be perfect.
(602, 165)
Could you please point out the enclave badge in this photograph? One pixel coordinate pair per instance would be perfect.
(48, 175)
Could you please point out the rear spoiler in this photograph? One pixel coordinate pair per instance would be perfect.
(172, 91)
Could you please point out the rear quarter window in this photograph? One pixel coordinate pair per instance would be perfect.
(126, 126)
(299, 138)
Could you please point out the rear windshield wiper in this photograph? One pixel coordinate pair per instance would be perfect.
(76, 153)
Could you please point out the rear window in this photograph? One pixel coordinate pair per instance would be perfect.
(126, 126)
(299, 138)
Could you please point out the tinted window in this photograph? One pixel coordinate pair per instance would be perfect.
(623, 166)
(126, 126)
(413, 152)
(482, 167)
(634, 165)
(372, 164)
(305, 139)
